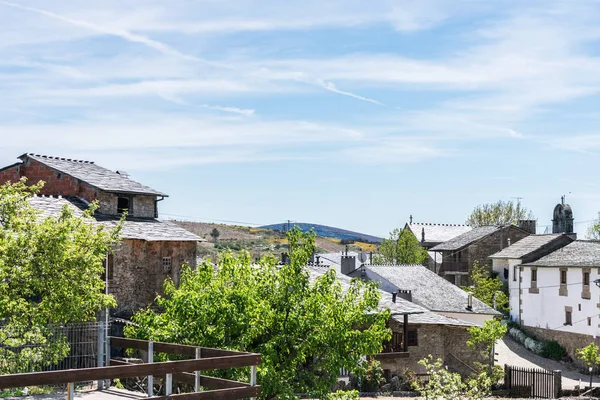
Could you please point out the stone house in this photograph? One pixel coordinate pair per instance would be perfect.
(475, 246)
(439, 333)
(559, 295)
(151, 250)
(430, 235)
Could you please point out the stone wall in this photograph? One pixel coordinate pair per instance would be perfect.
(491, 244)
(138, 272)
(57, 183)
(570, 341)
(446, 342)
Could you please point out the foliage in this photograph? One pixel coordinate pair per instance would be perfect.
(554, 351)
(306, 329)
(589, 355)
(343, 395)
(487, 335)
(487, 289)
(499, 213)
(370, 376)
(50, 271)
(215, 234)
(442, 384)
(593, 231)
(402, 247)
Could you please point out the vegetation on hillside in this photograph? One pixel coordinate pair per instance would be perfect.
(50, 270)
(306, 330)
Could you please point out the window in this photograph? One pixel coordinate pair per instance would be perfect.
(412, 338)
(166, 263)
(579, 306)
(122, 205)
(563, 277)
(586, 278)
(515, 270)
(568, 319)
(533, 275)
(589, 321)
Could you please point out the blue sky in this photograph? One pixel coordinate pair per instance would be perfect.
(350, 113)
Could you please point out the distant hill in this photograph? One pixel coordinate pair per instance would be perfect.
(327, 231)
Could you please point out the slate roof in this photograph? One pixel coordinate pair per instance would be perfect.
(437, 233)
(580, 253)
(466, 238)
(526, 246)
(416, 313)
(133, 228)
(95, 175)
(430, 290)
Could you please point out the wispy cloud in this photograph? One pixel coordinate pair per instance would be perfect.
(332, 88)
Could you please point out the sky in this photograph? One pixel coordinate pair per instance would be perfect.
(350, 113)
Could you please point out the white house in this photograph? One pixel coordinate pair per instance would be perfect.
(559, 295)
(531, 248)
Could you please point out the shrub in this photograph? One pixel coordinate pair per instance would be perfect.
(371, 376)
(343, 395)
(554, 350)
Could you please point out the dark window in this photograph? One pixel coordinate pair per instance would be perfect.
(412, 338)
(568, 319)
(563, 277)
(505, 273)
(533, 275)
(586, 278)
(515, 270)
(166, 262)
(122, 205)
(395, 344)
(579, 307)
(459, 256)
(589, 321)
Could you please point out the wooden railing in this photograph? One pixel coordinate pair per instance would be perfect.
(185, 371)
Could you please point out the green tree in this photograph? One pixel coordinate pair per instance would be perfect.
(441, 383)
(486, 337)
(487, 288)
(306, 329)
(215, 234)
(499, 213)
(402, 247)
(50, 271)
(593, 231)
(589, 355)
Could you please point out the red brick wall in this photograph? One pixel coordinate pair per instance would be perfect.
(10, 174)
(66, 185)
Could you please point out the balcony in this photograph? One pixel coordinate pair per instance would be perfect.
(455, 266)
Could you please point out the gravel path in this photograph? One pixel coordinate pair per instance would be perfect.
(513, 353)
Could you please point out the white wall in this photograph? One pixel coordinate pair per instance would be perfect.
(478, 319)
(546, 309)
(513, 286)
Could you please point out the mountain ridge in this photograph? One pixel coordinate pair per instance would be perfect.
(325, 231)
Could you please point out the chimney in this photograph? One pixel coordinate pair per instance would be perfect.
(312, 258)
(405, 294)
(470, 302)
(318, 260)
(371, 258)
(394, 297)
(410, 219)
(348, 264)
(529, 225)
(423, 235)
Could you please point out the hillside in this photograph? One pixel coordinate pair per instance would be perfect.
(327, 232)
(259, 241)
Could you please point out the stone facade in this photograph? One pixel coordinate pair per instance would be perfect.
(456, 264)
(139, 206)
(441, 341)
(139, 271)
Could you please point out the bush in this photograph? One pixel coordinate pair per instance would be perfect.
(554, 350)
(371, 376)
(344, 395)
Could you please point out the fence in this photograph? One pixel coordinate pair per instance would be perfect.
(532, 382)
(187, 371)
(51, 347)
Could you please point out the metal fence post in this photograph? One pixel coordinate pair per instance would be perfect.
(100, 352)
(197, 373)
(169, 385)
(150, 361)
(253, 377)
